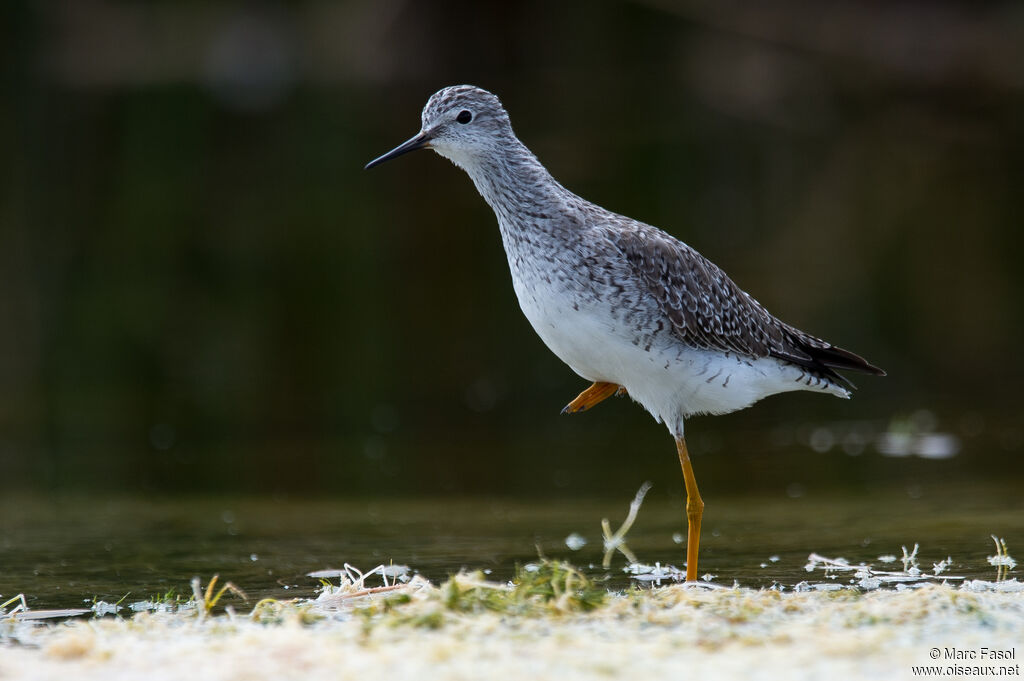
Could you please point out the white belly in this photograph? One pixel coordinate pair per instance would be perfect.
(670, 379)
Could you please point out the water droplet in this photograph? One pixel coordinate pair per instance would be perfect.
(575, 541)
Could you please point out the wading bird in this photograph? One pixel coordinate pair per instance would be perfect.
(624, 304)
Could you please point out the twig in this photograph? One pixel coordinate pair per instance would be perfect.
(618, 539)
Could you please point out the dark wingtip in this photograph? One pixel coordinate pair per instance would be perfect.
(838, 358)
(827, 360)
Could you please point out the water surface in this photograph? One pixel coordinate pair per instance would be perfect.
(61, 552)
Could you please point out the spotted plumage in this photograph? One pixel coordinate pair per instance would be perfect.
(707, 310)
(616, 299)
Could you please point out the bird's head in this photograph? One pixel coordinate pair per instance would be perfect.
(461, 123)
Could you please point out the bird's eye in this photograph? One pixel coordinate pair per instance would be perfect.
(464, 117)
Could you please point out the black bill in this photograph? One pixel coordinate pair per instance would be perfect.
(420, 141)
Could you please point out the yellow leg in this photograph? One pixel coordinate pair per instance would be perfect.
(694, 511)
(591, 396)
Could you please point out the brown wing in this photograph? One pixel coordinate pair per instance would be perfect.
(707, 310)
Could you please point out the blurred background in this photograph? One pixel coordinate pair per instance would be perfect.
(202, 291)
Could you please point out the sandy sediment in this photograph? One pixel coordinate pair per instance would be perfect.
(468, 629)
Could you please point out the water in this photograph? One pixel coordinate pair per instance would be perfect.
(63, 552)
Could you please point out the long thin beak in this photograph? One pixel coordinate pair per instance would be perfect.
(420, 141)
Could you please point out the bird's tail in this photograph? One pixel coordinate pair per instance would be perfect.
(828, 359)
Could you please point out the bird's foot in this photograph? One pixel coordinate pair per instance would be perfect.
(592, 395)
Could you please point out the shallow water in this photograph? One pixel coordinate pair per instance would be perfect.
(62, 552)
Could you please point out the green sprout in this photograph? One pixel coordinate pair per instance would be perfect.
(207, 600)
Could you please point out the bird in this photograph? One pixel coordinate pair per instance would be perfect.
(628, 307)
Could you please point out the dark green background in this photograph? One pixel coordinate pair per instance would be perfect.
(202, 290)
